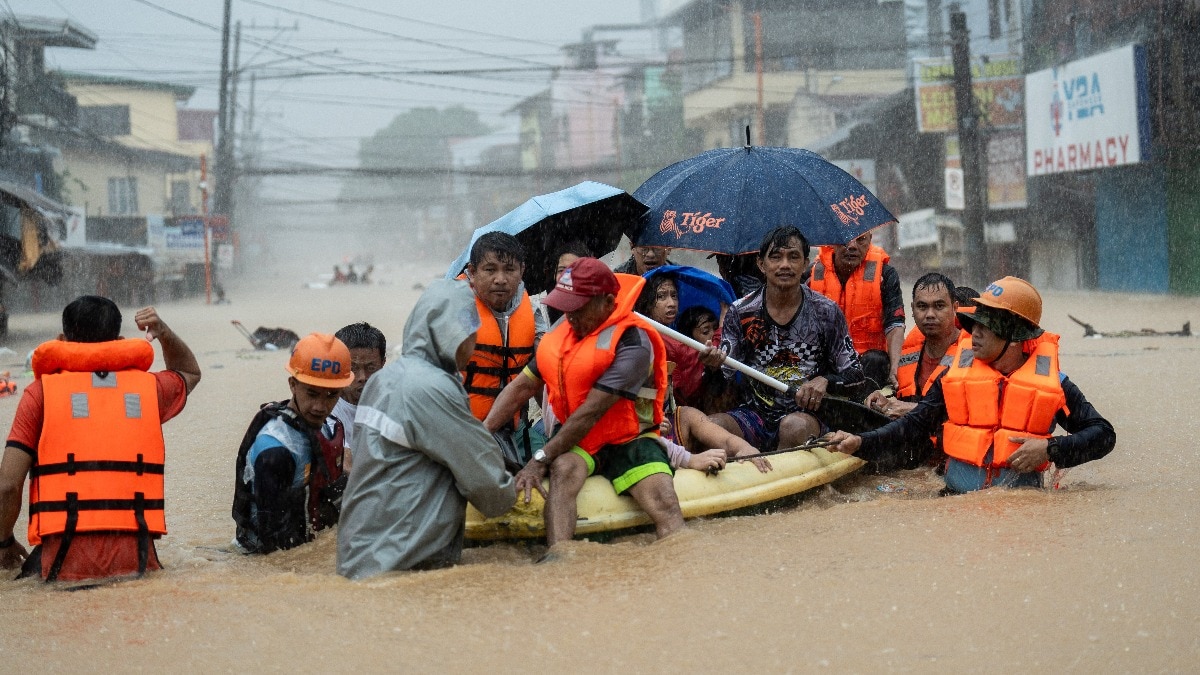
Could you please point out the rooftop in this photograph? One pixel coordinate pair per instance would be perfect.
(49, 32)
(182, 92)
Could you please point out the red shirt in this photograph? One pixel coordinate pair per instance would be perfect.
(93, 554)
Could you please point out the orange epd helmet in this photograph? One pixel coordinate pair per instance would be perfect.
(321, 360)
(1017, 299)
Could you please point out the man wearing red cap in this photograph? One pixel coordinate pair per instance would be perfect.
(605, 373)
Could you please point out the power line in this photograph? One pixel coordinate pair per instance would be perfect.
(437, 25)
(377, 31)
(425, 172)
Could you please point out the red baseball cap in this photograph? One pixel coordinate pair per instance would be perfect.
(585, 279)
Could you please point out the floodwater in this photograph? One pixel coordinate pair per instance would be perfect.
(1098, 576)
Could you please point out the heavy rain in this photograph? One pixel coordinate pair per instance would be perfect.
(259, 170)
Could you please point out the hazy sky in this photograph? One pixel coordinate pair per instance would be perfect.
(318, 119)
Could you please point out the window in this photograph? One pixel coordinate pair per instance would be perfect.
(122, 196)
(105, 120)
(181, 197)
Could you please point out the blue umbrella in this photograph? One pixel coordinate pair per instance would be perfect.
(590, 212)
(696, 288)
(726, 200)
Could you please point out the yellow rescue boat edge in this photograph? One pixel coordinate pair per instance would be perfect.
(739, 486)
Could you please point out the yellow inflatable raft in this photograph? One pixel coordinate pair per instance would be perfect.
(739, 486)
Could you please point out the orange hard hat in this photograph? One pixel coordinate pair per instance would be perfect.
(1010, 296)
(321, 360)
(1014, 295)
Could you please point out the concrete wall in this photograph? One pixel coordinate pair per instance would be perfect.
(153, 122)
(87, 182)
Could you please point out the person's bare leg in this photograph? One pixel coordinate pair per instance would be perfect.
(567, 474)
(656, 495)
(797, 428)
(726, 422)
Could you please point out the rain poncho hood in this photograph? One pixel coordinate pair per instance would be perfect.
(443, 317)
(419, 455)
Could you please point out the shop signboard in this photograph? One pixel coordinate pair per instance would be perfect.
(1088, 114)
(996, 80)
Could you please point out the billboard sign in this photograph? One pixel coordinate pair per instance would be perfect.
(187, 234)
(1088, 114)
(996, 80)
(918, 228)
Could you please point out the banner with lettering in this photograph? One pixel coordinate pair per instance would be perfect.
(1088, 114)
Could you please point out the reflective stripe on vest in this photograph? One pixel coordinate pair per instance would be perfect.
(100, 455)
(910, 362)
(985, 408)
(862, 298)
(493, 363)
(570, 367)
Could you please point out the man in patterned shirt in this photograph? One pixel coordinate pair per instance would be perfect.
(793, 334)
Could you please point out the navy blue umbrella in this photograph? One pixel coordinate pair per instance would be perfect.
(726, 200)
(592, 213)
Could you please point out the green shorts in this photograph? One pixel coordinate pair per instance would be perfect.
(626, 464)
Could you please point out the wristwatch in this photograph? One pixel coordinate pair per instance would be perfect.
(1051, 447)
(540, 457)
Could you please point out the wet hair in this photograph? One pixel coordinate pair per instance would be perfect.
(965, 296)
(505, 246)
(780, 237)
(933, 281)
(576, 248)
(91, 318)
(645, 301)
(692, 317)
(363, 335)
(875, 366)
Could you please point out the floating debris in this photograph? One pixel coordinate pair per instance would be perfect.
(1090, 331)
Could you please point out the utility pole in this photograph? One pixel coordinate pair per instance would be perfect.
(760, 117)
(970, 146)
(222, 195)
(224, 142)
(231, 115)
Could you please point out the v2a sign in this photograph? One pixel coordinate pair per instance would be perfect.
(1088, 114)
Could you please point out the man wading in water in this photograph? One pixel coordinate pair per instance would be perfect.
(998, 402)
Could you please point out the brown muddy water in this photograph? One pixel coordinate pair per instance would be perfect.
(1099, 576)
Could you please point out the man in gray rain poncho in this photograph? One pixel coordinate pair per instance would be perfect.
(419, 454)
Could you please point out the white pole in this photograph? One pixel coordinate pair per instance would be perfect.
(732, 363)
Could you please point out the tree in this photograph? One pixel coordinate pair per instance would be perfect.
(417, 141)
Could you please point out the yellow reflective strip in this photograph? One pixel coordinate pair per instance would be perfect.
(591, 462)
(636, 474)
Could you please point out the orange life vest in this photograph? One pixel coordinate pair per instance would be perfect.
(493, 363)
(861, 299)
(570, 366)
(100, 457)
(910, 361)
(985, 408)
